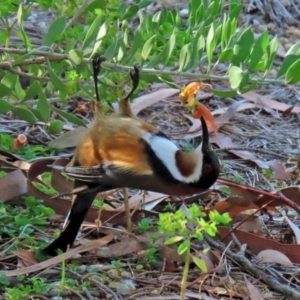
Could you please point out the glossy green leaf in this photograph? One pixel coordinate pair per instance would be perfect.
(243, 47)
(249, 87)
(130, 12)
(101, 34)
(10, 80)
(4, 106)
(235, 8)
(169, 81)
(258, 51)
(200, 263)
(55, 29)
(245, 80)
(210, 44)
(43, 106)
(32, 91)
(69, 117)
(4, 90)
(272, 51)
(226, 55)
(24, 114)
(148, 47)
(293, 74)
(88, 43)
(57, 82)
(173, 240)
(184, 247)
(76, 56)
(235, 76)
(113, 49)
(185, 57)
(291, 56)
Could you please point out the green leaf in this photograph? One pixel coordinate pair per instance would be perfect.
(235, 8)
(113, 49)
(173, 240)
(4, 106)
(43, 106)
(225, 189)
(258, 51)
(136, 44)
(210, 44)
(243, 47)
(101, 34)
(4, 90)
(272, 51)
(169, 81)
(130, 12)
(86, 47)
(76, 56)
(226, 55)
(200, 263)
(57, 82)
(32, 91)
(292, 55)
(148, 47)
(55, 29)
(69, 117)
(184, 247)
(145, 3)
(235, 76)
(293, 74)
(24, 114)
(9, 80)
(185, 57)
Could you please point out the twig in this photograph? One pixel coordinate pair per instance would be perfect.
(46, 55)
(240, 258)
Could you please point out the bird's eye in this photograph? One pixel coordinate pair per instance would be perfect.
(206, 167)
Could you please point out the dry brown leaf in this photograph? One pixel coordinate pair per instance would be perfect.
(148, 198)
(295, 228)
(147, 100)
(70, 138)
(12, 185)
(253, 291)
(252, 224)
(273, 256)
(279, 170)
(59, 182)
(257, 243)
(27, 257)
(252, 96)
(58, 259)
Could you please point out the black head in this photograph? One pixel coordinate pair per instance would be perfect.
(210, 165)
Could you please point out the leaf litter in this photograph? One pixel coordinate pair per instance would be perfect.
(258, 143)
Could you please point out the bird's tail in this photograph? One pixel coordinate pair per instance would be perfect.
(80, 207)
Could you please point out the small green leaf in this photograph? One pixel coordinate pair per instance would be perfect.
(32, 91)
(235, 8)
(69, 117)
(210, 44)
(224, 94)
(101, 34)
(76, 56)
(184, 247)
(226, 55)
(292, 55)
(24, 114)
(43, 106)
(293, 74)
(4, 90)
(55, 29)
(235, 76)
(258, 51)
(9, 80)
(4, 106)
(148, 47)
(185, 57)
(130, 12)
(86, 47)
(200, 263)
(173, 240)
(272, 51)
(57, 82)
(225, 189)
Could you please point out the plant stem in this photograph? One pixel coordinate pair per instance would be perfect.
(117, 67)
(185, 273)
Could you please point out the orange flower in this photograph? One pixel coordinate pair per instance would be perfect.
(202, 111)
(188, 96)
(19, 141)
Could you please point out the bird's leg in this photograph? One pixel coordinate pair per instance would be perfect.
(97, 60)
(125, 108)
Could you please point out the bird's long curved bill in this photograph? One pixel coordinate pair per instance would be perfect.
(205, 136)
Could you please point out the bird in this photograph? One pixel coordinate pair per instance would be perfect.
(120, 150)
